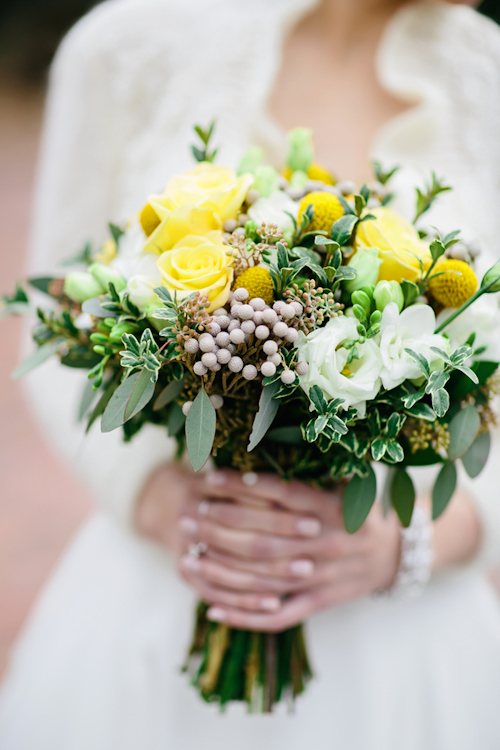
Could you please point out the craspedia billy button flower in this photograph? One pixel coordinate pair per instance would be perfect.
(327, 209)
(455, 284)
(258, 282)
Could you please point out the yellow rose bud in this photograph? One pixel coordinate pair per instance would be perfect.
(400, 247)
(198, 264)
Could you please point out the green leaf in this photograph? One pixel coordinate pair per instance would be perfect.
(141, 394)
(343, 228)
(420, 361)
(422, 411)
(410, 399)
(379, 448)
(116, 232)
(103, 401)
(470, 374)
(114, 414)
(318, 399)
(39, 356)
(346, 273)
(359, 497)
(443, 489)
(402, 493)
(88, 397)
(476, 457)
(337, 424)
(268, 408)
(395, 451)
(394, 425)
(175, 420)
(168, 394)
(437, 381)
(463, 431)
(42, 283)
(200, 430)
(93, 307)
(440, 402)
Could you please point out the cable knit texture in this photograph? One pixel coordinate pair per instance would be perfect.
(126, 87)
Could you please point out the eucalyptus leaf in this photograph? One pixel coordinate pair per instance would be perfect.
(87, 399)
(463, 431)
(443, 489)
(39, 356)
(141, 394)
(201, 422)
(175, 420)
(114, 414)
(476, 457)
(168, 394)
(402, 493)
(359, 497)
(93, 307)
(268, 408)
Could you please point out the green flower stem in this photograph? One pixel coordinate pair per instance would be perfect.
(482, 290)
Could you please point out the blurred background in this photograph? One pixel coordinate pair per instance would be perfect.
(41, 503)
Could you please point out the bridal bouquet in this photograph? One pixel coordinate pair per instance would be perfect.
(283, 323)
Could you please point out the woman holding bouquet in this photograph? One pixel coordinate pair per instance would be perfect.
(409, 84)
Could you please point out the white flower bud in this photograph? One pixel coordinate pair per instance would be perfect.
(220, 311)
(217, 401)
(278, 305)
(291, 335)
(262, 332)
(275, 359)
(268, 369)
(270, 347)
(223, 321)
(222, 338)
(199, 369)
(223, 356)
(186, 407)
(249, 372)
(206, 342)
(252, 197)
(235, 364)
(213, 328)
(241, 294)
(347, 187)
(287, 377)
(258, 304)
(231, 348)
(191, 346)
(257, 317)
(216, 367)
(233, 325)
(245, 312)
(248, 326)
(270, 317)
(302, 368)
(237, 336)
(230, 225)
(299, 309)
(242, 220)
(280, 329)
(231, 296)
(288, 312)
(209, 359)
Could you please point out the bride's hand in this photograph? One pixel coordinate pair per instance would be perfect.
(276, 553)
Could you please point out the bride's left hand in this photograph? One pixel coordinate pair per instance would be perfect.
(277, 553)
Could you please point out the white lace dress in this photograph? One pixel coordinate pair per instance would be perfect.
(98, 666)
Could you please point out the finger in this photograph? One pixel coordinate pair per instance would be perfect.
(246, 544)
(223, 577)
(293, 611)
(266, 520)
(302, 567)
(293, 495)
(252, 602)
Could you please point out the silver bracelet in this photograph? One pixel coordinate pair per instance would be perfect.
(416, 558)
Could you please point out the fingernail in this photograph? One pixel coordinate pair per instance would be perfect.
(302, 568)
(309, 527)
(203, 508)
(271, 604)
(250, 478)
(188, 525)
(217, 615)
(216, 478)
(191, 563)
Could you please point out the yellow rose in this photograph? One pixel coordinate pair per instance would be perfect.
(196, 202)
(198, 264)
(398, 242)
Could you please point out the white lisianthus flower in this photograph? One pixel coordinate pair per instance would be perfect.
(411, 329)
(275, 210)
(131, 259)
(481, 318)
(323, 350)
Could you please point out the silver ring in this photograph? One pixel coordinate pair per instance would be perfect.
(197, 550)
